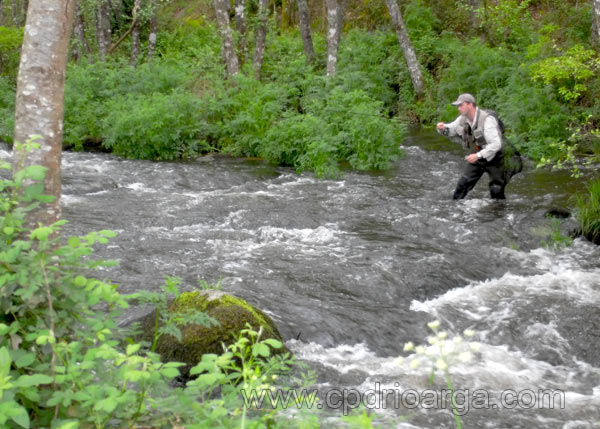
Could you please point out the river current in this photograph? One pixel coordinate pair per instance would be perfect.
(352, 269)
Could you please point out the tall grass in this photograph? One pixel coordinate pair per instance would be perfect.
(588, 211)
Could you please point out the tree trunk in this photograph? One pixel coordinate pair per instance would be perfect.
(240, 26)
(261, 37)
(135, 33)
(228, 47)
(304, 18)
(40, 97)
(407, 48)
(23, 12)
(13, 13)
(79, 30)
(339, 25)
(333, 38)
(1, 12)
(597, 20)
(153, 30)
(103, 32)
(135, 44)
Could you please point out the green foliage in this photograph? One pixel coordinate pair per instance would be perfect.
(156, 127)
(92, 90)
(64, 363)
(556, 239)
(568, 72)
(588, 211)
(11, 39)
(7, 109)
(507, 23)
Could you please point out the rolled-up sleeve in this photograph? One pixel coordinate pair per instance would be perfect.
(450, 129)
(493, 139)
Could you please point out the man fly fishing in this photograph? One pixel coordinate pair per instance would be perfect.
(482, 134)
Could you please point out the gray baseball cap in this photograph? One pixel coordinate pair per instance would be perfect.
(462, 98)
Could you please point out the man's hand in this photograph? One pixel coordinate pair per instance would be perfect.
(473, 158)
(441, 126)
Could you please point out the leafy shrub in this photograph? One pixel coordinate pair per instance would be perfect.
(156, 126)
(588, 211)
(65, 364)
(7, 109)
(11, 39)
(91, 90)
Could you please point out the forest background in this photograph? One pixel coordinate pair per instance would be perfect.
(147, 79)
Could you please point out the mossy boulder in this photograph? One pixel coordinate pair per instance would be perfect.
(231, 313)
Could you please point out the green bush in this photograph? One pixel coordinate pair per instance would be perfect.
(155, 127)
(588, 211)
(7, 109)
(11, 39)
(64, 362)
(92, 89)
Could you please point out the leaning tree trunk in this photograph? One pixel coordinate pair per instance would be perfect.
(304, 18)
(80, 47)
(40, 97)
(153, 30)
(231, 60)
(261, 37)
(409, 53)
(240, 26)
(597, 20)
(1, 12)
(333, 38)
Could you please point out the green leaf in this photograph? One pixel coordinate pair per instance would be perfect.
(132, 348)
(33, 380)
(66, 425)
(74, 242)
(169, 372)
(108, 233)
(260, 349)
(25, 360)
(5, 362)
(273, 343)
(20, 417)
(8, 230)
(80, 281)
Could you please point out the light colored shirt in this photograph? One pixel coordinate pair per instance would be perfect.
(491, 134)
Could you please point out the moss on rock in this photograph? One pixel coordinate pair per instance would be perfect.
(232, 314)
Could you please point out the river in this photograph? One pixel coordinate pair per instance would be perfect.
(352, 269)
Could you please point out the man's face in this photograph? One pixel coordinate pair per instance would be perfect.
(463, 108)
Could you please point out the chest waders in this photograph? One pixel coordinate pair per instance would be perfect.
(473, 140)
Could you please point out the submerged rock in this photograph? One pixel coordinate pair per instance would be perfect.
(231, 313)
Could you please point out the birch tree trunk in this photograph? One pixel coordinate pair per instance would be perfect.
(135, 33)
(304, 17)
(333, 38)
(23, 12)
(240, 26)
(261, 37)
(103, 32)
(228, 47)
(13, 13)
(597, 20)
(40, 96)
(153, 30)
(79, 32)
(407, 48)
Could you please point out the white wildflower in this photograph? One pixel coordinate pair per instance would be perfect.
(469, 332)
(408, 347)
(441, 365)
(465, 357)
(434, 325)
